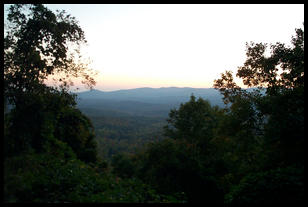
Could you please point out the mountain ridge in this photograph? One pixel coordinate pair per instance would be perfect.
(142, 101)
(132, 94)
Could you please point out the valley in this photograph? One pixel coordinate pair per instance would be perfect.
(126, 120)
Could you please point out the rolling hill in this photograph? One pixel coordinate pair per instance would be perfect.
(151, 102)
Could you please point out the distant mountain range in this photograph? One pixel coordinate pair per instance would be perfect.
(141, 101)
(155, 95)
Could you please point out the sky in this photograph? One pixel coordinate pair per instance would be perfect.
(179, 45)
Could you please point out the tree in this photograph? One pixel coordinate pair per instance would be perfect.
(36, 121)
(170, 168)
(193, 122)
(192, 154)
(279, 112)
(263, 128)
(76, 129)
(37, 45)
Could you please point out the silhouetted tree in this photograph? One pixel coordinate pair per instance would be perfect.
(38, 44)
(264, 127)
(193, 122)
(278, 114)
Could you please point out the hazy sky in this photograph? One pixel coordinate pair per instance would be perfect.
(185, 45)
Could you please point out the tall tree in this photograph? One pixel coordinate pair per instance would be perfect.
(264, 126)
(38, 44)
(278, 114)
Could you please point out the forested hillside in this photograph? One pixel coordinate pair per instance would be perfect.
(126, 120)
(165, 95)
(125, 134)
(150, 102)
(248, 151)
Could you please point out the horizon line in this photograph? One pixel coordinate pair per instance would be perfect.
(95, 89)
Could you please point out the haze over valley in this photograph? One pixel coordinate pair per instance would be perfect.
(149, 102)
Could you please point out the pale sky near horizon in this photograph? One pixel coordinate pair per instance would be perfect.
(183, 45)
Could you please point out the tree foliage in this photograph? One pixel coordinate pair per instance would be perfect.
(276, 186)
(264, 126)
(44, 178)
(193, 122)
(170, 167)
(38, 44)
(279, 113)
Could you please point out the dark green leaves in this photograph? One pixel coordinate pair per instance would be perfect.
(38, 44)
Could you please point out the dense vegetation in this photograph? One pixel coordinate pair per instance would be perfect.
(125, 134)
(251, 151)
